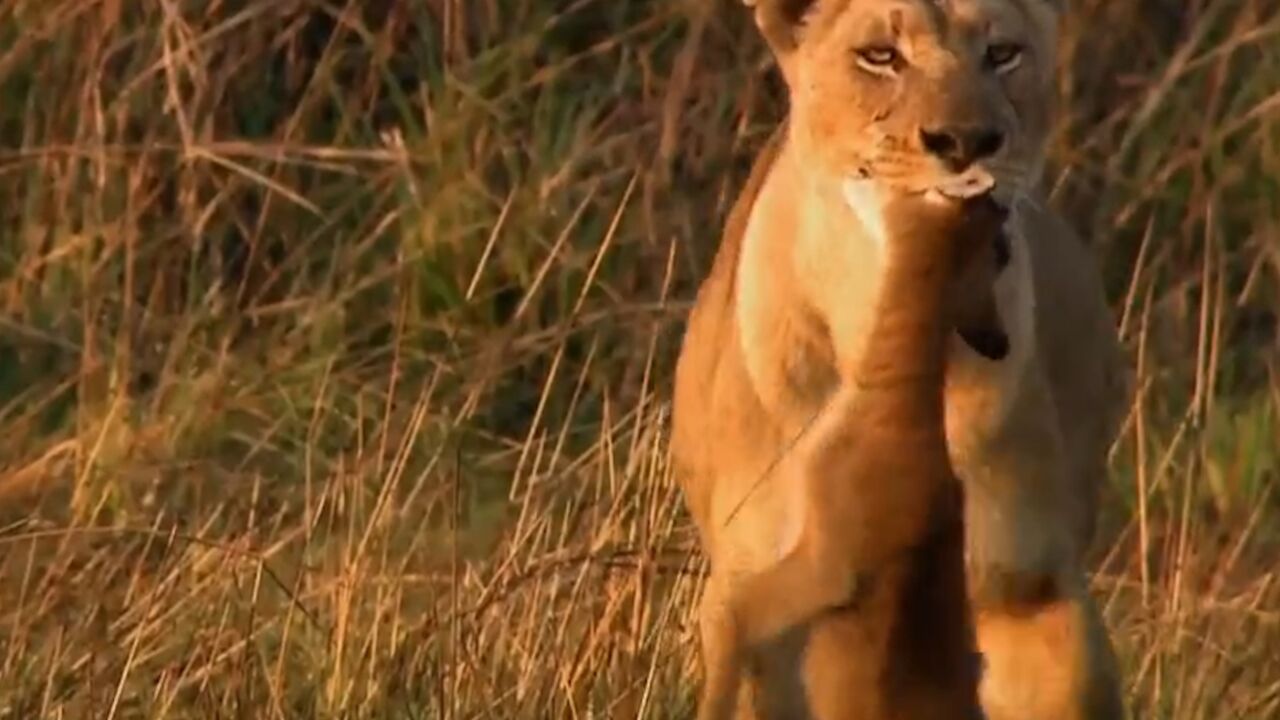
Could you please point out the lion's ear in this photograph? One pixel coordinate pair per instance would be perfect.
(780, 21)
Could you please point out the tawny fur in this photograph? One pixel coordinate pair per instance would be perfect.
(788, 307)
(898, 580)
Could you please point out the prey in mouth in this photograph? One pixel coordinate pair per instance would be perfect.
(977, 318)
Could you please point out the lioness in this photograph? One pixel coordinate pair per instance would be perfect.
(912, 95)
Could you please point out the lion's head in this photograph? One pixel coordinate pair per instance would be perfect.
(918, 94)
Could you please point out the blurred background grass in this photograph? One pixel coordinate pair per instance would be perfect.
(336, 340)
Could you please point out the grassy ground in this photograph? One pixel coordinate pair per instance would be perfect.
(336, 338)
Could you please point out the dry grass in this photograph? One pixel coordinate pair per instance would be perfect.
(336, 336)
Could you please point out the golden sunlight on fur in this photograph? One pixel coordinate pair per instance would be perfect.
(884, 560)
(908, 96)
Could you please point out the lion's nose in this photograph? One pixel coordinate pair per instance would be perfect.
(959, 146)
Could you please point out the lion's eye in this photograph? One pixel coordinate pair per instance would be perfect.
(1003, 56)
(878, 56)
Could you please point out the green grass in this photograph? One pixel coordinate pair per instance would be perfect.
(336, 342)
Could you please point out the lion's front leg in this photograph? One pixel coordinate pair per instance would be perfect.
(1052, 662)
(1048, 654)
(722, 653)
(1019, 510)
(741, 614)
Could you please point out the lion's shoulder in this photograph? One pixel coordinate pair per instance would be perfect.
(703, 364)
